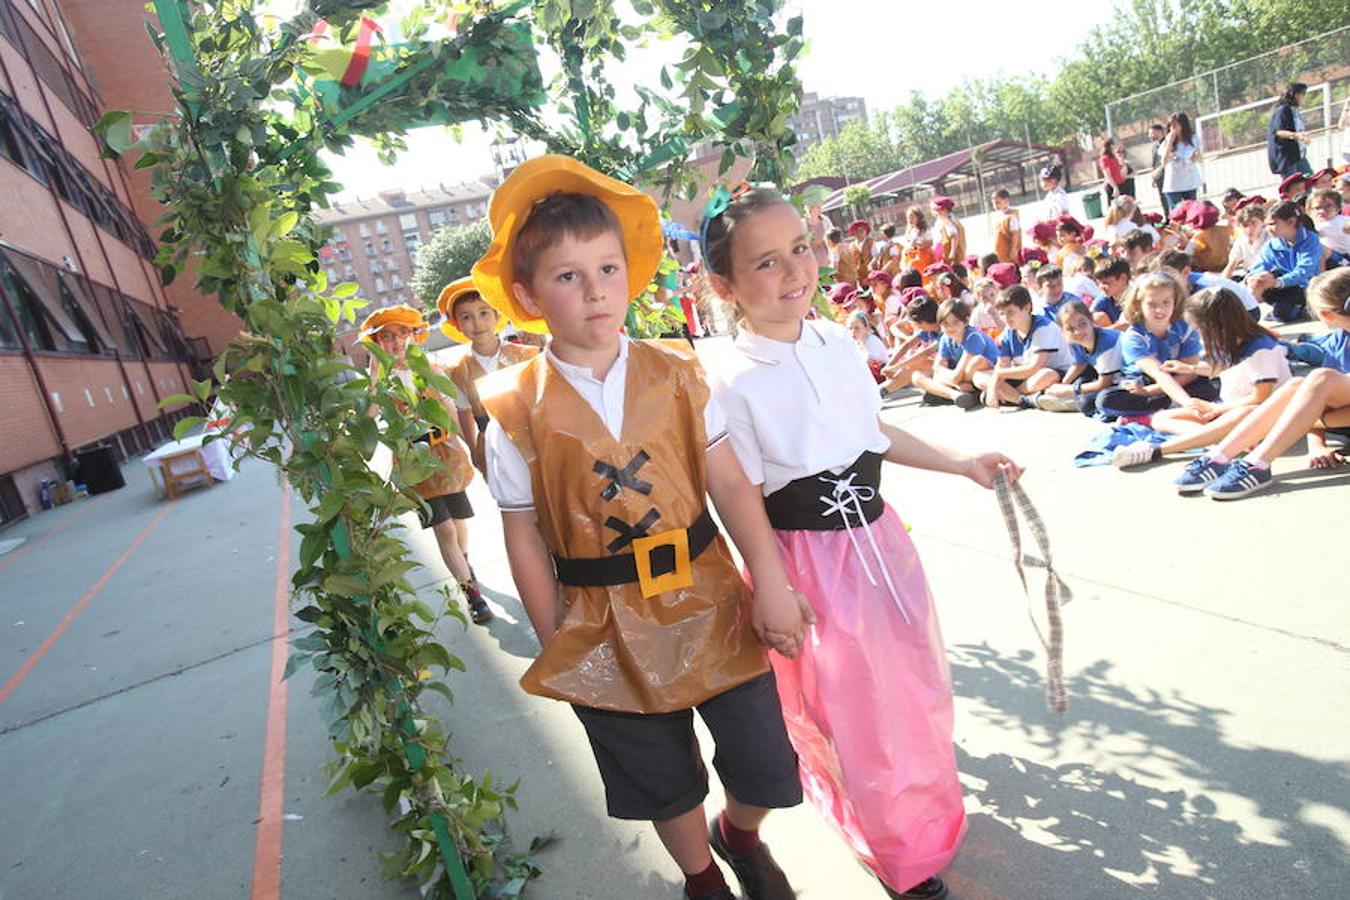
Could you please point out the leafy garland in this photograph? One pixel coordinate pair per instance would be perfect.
(239, 172)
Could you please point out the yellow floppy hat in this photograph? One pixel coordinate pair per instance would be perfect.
(399, 314)
(542, 177)
(445, 303)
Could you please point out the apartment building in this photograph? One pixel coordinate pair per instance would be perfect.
(375, 241)
(89, 339)
(823, 117)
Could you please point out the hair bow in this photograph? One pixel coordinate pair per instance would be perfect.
(720, 198)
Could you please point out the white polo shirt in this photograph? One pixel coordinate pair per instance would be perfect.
(508, 475)
(796, 409)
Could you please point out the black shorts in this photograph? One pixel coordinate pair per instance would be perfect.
(446, 506)
(653, 771)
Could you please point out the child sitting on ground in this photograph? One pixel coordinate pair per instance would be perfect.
(1210, 240)
(1033, 354)
(1154, 305)
(1080, 277)
(1113, 277)
(1311, 406)
(1248, 239)
(1288, 261)
(982, 313)
(1249, 362)
(962, 351)
(870, 347)
(1333, 227)
(1135, 246)
(1096, 363)
(1050, 282)
(915, 353)
(1195, 281)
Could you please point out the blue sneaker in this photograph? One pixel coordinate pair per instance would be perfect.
(1201, 471)
(1241, 479)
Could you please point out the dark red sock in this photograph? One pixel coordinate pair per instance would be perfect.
(705, 882)
(738, 842)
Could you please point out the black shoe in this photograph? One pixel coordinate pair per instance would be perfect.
(930, 889)
(967, 400)
(722, 893)
(478, 608)
(759, 875)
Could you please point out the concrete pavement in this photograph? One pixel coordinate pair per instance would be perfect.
(1203, 755)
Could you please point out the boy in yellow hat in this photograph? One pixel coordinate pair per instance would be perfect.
(466, 319)
(447, 508)
(601, 453)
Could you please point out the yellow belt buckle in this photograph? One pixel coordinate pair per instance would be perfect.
(436, 436)
(682, 576)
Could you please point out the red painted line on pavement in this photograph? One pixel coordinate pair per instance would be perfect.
(8, 561)
(267, 852)
(17, 678)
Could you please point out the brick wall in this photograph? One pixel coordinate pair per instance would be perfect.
(26, 434)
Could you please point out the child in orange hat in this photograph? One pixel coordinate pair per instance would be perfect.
(602, 453)
(447, 508)
(470, 322)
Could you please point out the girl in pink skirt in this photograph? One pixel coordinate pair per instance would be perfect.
(868, 699)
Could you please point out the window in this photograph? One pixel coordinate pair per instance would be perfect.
(370, 248)
(408, 221)
(57, 313)
(436, 217)
(344, 254)
(141, 320)
(391, 267)
(452, 216)
(375, 267)
(379, 286)
(386, 246)
(365, 230)
(111, 305)
(381, 228)
(396, 282)
(349, 273)
(411, 241)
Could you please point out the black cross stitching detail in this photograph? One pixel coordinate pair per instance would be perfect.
(623, 478)
(628, 533)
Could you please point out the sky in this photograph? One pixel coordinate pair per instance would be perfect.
(867, 48)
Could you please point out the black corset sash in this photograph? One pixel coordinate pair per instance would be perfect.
(829, 502)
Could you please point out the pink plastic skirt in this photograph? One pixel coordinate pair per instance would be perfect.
(868, 702)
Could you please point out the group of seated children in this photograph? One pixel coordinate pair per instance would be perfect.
(1163, 328)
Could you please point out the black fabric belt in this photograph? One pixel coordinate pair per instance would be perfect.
(482, 422)
(604, 571)
(814, 503)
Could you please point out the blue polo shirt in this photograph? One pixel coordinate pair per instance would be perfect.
(1105, 354)
(973, 341)
(1043, 336)
(1138, 342)
(1335, 349)
(1051, 310)
(1108, 305)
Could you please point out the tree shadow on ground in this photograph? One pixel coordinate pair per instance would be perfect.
(1076, 831)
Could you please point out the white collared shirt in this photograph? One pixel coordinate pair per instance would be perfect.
(508, 475)
(795, 409)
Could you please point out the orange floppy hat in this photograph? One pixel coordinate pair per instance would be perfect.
(445, 304)
(542, 177)
(399, 314)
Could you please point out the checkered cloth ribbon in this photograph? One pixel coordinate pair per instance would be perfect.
(1012, 499)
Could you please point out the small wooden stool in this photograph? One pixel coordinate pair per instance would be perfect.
(184, 471)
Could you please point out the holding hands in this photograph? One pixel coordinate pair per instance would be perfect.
(780, 619)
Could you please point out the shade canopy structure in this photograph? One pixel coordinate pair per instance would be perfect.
(959, 174)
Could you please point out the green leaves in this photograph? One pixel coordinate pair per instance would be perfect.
(115, 128)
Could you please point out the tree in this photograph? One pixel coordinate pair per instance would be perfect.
(448, 256)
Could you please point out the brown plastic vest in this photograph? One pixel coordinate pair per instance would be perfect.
(614, 648)
(456, 469)
(466, 371)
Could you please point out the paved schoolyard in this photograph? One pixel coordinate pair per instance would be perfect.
(1203, 756)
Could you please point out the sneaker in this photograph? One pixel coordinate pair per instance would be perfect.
(933, 400)
(1137, 453)
(1057, 404)
(1200, 472)
(1241, 478)
(478, 608)
(930, 889)
(1026, 401)
(967, 400)
(759, 875)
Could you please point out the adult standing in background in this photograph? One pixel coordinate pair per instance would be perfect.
(1112, 172)
(818, 224)
(1181, 161)
(1287, 134)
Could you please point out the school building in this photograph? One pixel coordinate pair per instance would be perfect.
(90, 342)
